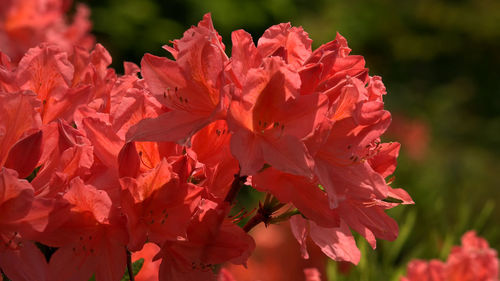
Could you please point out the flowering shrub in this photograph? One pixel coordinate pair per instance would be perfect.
(473, 261)
(98, 167)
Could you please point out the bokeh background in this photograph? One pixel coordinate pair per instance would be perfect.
(440, 62)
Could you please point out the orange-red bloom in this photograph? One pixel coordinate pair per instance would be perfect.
(116, 161)
(190, 86)
(27, 23)
(473, 261)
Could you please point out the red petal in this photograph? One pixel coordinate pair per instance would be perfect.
(300, 231)
(25, 264)
(244, 56)
(337, 243)
(106, 143)
(289, 155)
(294, 41)
(112, 261)
(18, 118)
(303, 193)
(368, 220)
(24, 155)
(65, 265)
(384, 162)
(16, 196)
(245, 147)
(176, 126)
(161, 74)
(86, 198)
(129, 161)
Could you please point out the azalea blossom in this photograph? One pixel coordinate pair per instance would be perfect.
(189, 86)
(474, 260)
(315, 117)
(20, 259)
(108, 168)
(27, 23)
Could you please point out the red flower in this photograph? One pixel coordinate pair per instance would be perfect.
(92, 239)
(271, 119)
(20, 138)
(157, 206)
(419, 270)
(473, 261)
(211, 240)
(20, 259)
(190, 86)
(25, 24)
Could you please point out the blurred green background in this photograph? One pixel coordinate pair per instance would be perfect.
(440, 62)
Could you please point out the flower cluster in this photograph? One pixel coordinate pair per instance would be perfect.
(96, 166)
(27, 23)
(473, 261)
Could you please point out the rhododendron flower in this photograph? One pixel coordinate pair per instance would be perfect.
(117, 161)
(20, 259)
(271, 119)
(473, 261)
(211, 240)
(157, 205)
(315, 117)
(190, 86)
(62, 82)
(211, 145)
(20, 138)
(336, 242)
(91, 240)
(27, 23)
(67, 154)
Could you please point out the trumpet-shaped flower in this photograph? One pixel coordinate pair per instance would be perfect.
(190, 86)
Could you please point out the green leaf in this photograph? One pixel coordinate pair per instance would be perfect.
(33, 174)
(136, 266)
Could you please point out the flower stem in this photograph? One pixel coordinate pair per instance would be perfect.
(266, 211)
(235, 187)
(254, 221)
(129, 266)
